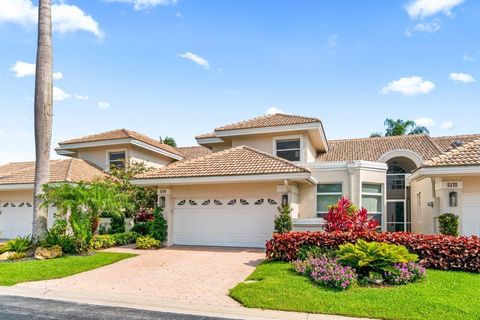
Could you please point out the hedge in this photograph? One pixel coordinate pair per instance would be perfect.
(111, 240)
(435, 251)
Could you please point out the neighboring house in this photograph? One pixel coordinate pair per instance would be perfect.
(226, 191)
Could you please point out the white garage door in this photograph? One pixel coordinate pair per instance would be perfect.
(224, 222)
(16, 218)
(471, 214)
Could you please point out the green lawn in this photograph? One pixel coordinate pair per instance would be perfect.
(34, 270)
(444, 295)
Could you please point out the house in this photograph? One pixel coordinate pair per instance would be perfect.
(225, 192)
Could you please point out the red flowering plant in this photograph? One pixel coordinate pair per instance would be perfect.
(345, 216)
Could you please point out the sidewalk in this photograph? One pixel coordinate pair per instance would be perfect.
(145, 303)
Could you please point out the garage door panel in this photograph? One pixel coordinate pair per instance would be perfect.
(240, 224)
(471, 214)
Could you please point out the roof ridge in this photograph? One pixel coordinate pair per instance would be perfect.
(452, 152)
(382, 138)
(265, 116)
(457, 136)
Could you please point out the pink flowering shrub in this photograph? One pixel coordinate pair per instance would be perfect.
(405, 273)
(302, 266)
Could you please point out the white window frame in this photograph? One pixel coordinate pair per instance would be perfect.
(107, 157)
(326, 194)
(381, 194)
(290, 137)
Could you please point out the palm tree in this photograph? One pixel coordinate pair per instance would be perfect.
(170, 141)
(43, 116)
(402, 127)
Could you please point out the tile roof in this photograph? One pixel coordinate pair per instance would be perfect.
(69, 170)
(193, 152)
(122, 134)
(236, 161)
(447, 142)
(466, 155)
(269, 120)
(371, 149)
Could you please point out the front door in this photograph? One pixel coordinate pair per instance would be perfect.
(396, 213)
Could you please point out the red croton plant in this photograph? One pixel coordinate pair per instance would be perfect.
(345, 216)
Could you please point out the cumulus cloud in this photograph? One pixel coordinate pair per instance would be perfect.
(420, 9)
(146, 4)
(425, 122)
(25, 69)
(65, 17)
(273, 110)
(196, 59)
(103, 105)
(448, 125)
(461, 77)
(409, 86)
(59, 94)
(425, 27)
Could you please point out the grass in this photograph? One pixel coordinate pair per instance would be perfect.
(444, 295)
(34, 270)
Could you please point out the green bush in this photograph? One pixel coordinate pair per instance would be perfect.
(117, 224)
(313, 251)
(158, 227)
(147, 243)
(124, 238)
(448, 224)
(142, 228)
(18, 245)
(55, 237)
(376, 257)
(111, 240)
(283, 221)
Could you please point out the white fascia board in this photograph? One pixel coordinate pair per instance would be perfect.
(360, 164)
(308, 222)
(19, 186)
(445, 171)
(63, 152)
(223, 179)
(274, 129)
(209, 140)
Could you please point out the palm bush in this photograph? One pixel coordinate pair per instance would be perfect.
(18, 245)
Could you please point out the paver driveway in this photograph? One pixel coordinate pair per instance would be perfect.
(185, 274)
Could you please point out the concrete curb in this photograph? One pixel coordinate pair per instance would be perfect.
(146, 303)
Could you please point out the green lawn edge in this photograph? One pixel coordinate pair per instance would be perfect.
(444, 295)
(12, 273)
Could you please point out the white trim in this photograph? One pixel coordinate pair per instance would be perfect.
(62, 152)
(273, 129)
(341, 193)
(290, 137)
(445, 171)
(224, 179)
(157, 150)
(360, 164)
(17, 186)
(405, 153)
(209, 140)
(107, 157)
(307, 222)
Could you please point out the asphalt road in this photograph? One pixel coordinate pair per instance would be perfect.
(19, 308)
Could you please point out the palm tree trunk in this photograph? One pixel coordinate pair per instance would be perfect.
(43, 116)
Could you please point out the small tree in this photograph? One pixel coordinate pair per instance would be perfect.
(345, 216)
(158, 227)
(170, 141)
(448, 224)
(283, 221)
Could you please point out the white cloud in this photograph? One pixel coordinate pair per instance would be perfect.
(146, 4)
(65, 17)
(81, 97)
(468, 58)
(448, 125)
(425, 122)
(427, 27)
(59, 94)
(273, 110)
(103, 105)
(461, 77)
(25, 69)
(409, 86)
(197, 59)
(420, 9)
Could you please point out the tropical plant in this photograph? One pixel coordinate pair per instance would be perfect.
(345, 216)
(376, 134)
(57, 238)
(169, 141)
(403, 127)
(147, 243)
(43, 110)
(448, 224)
(117, 224)
(283, 221)
(406, 273)
(18, 245)
(378, 257)
(158, 227)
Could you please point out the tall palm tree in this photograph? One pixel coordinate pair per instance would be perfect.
(402, 127)
(43, 116)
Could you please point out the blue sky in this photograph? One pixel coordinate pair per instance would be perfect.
(182, 68)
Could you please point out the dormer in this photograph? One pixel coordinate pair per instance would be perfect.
(118, 148)
(295, 138)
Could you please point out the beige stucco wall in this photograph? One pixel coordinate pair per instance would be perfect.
(16, 195)
(149, 158)
(422, 215)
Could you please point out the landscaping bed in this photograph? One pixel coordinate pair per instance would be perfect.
(444, 295)
(12, 273)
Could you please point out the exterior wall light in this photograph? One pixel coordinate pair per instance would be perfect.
(453, 199)
(161, 202)
(284, 199)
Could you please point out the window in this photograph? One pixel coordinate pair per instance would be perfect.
(288, 149)
(327, 195)
(372, 200)
(117, 159)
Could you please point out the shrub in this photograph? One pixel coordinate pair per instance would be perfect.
(111, 240)
(448, 224)
(344, 216)
(312, 251)
(373, 257)
(302, 266)
(124, 238)
(142, 228)
(283, 221)
(158, 227)
(55, 237)
(143, 216)
(147, 243)
(117, 224)
(435, 251)
(18, 245)
(405, 273)
(329, 273)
